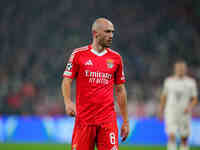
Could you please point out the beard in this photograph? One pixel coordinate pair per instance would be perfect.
(105, 43)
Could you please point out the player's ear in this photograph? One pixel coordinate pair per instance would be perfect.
(94, 33)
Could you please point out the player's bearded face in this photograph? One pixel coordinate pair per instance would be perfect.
(180, 69)
(105, 36)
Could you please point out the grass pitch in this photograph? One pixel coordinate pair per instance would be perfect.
(67, 147)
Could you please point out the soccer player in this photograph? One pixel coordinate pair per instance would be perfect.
(98, 70)
(178, 98)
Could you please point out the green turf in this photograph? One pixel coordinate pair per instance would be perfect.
(67, 147)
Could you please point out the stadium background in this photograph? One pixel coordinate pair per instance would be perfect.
(37, 38)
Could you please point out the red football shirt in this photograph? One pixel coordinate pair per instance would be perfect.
(95, 73)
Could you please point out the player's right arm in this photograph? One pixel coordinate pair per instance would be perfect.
(163, 99)
(68, 75)
(162, 106)
(66, 92)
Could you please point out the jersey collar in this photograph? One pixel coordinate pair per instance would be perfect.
(99, 54)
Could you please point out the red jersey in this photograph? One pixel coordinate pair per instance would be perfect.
(95, 73)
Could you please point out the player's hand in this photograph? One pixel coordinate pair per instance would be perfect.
(70, 109)
(187, 110)
(125, 130)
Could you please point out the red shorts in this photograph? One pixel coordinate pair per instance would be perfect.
(104, 136)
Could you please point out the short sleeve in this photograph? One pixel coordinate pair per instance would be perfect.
(71, 67)
(119, 75)
(194, 90)
(165, 89)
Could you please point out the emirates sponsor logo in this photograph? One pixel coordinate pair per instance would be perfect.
(98, 74)
(98, 77)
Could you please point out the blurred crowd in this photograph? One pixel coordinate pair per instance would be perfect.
(37, 38)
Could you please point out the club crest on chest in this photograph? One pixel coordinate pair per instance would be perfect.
(110, 63)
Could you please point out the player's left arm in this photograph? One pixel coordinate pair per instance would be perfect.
(194, 98)
(193, 103)
(122, 98)
(122, 103)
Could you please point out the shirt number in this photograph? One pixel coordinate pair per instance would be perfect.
(112, 138)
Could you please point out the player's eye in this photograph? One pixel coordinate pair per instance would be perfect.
(109, 31)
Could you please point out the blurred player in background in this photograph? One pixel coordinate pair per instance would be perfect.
(97, 70)
(178, 98)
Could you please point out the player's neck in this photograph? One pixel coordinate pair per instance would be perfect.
(98, 48)
(179, 76)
